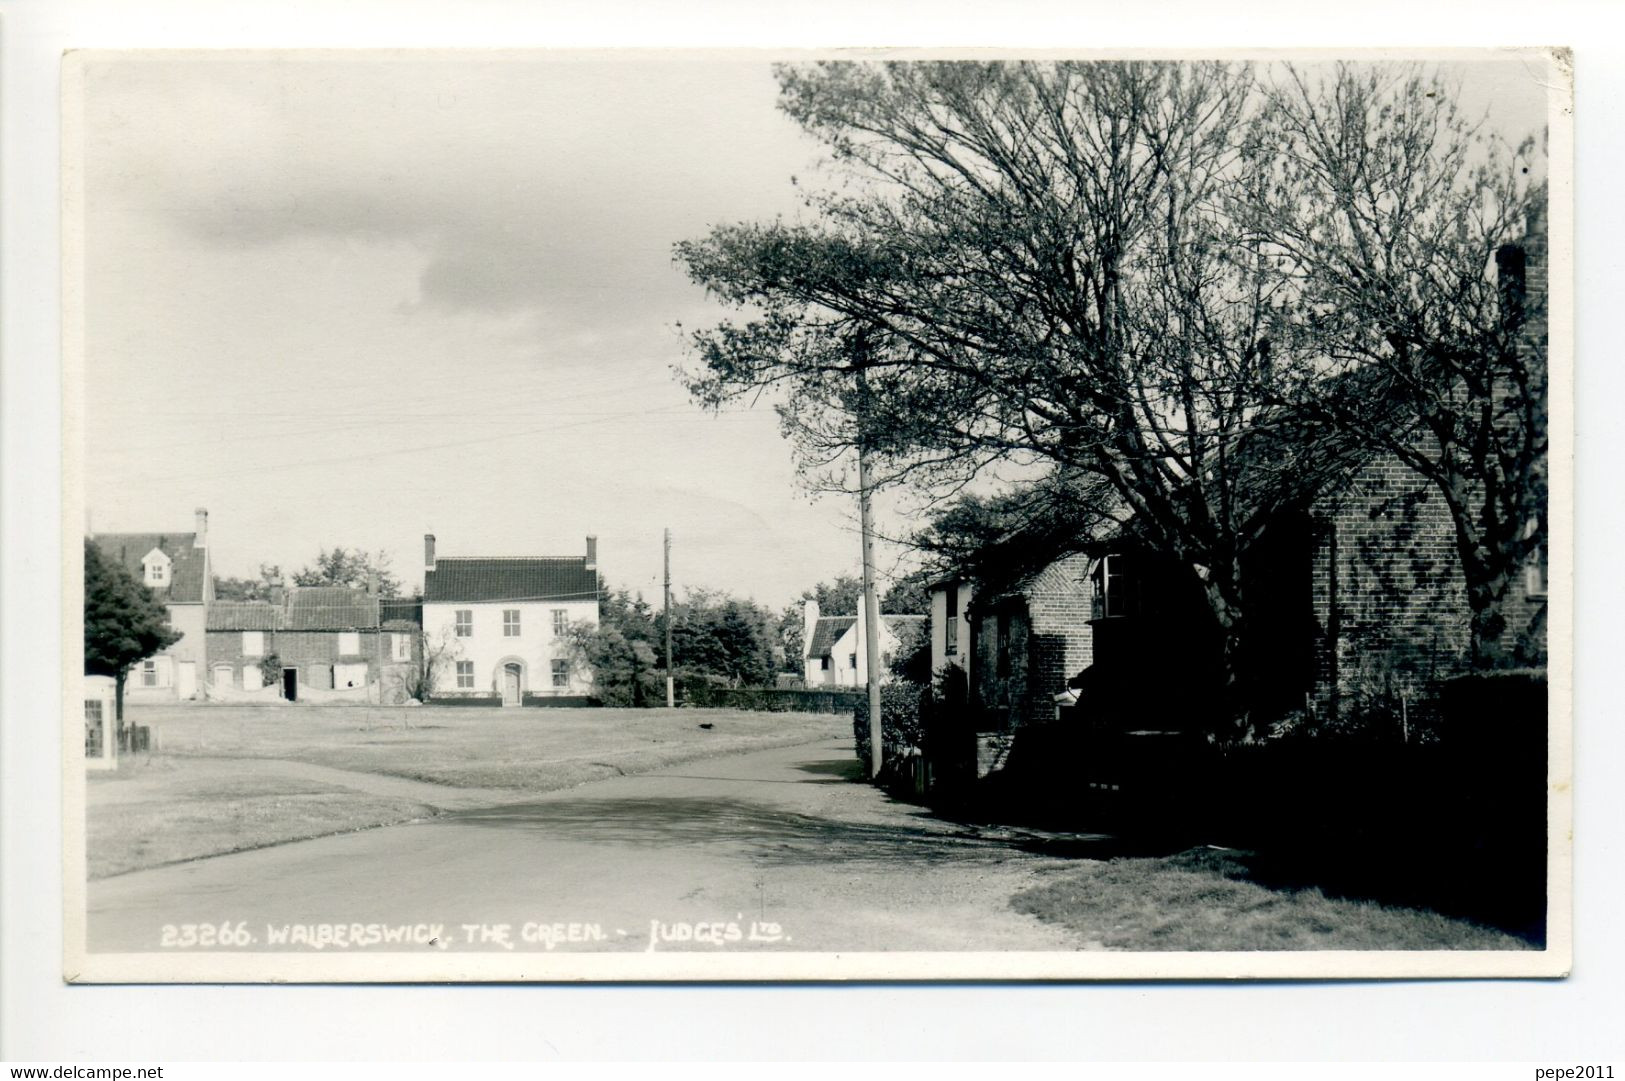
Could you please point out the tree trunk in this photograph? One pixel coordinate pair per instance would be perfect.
(1234, 715)
(118, 699)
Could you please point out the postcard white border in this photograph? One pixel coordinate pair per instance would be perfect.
(81, 965)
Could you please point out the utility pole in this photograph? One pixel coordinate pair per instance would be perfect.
(670, 696)
(871, 608)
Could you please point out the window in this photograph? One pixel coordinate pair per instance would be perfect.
(950, 644)
(149, 673)
(1114, 588)
(222, 675)
(1534, 575)
(561, 673)
(349, 643)
(465, 622)
(465, 675)
(1004, 644)
(561, 622)
(95, 728)
(851, 660)
(823, 663)
(253, 643)
(510, 623)
(157, 574)
(400, 647)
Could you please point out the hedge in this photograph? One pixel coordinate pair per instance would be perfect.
(772, 699)
(902, 728)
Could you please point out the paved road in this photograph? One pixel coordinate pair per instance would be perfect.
(773, 850)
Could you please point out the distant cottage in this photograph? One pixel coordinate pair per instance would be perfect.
(316, 638)
(175, 566)
(834, 653)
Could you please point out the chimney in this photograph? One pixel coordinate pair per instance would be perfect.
(202, 529)
(809, 622)
(279, 593)
(428, 551)
(372, 583)
(592, 553)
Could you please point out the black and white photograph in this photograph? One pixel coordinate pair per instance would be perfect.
(559, 515)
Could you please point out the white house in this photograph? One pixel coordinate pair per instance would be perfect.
(950, 626)
(503, 623)
(834, 652)
(175, 566)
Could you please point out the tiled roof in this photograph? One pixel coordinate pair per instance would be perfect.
(825, 633)
(245, 616)
(1068, 574)
(330, 608)
(474, 580)
(186, 561)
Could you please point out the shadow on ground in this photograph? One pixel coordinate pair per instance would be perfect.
(776, 835)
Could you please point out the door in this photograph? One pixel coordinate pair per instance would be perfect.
(290, 684)
(510, 685)
(186, 679)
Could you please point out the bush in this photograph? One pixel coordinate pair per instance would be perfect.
(770, 699)
(901, 727)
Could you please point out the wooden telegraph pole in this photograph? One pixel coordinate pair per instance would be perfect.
(871, 608)
(670, 696)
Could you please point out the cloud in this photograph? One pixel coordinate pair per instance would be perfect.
(521, 184)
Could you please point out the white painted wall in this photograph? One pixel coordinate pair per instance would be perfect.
(190, 620)
(489, 649)
(940, 654)
(841, 672)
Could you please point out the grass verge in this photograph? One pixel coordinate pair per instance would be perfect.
(163, 814)
(1197, 900)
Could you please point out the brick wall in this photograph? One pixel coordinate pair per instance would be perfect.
(1386, 553)
(1050, 641)
(1061, 642)
(313, 652)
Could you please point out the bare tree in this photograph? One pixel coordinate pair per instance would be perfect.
(1030, 263)
(1406, 237)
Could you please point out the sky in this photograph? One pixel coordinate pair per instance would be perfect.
(349, 301)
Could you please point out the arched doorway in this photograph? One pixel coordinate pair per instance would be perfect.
(511, 679)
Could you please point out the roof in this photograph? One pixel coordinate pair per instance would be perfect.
(1065, 575)
(245, 616)
(330, 608)
(829, 629)
(186, 561)
(825, 633)
(474, 580)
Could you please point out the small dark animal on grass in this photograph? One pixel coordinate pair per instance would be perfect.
(707, 724)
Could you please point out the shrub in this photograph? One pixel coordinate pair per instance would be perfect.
(271, 670)
(902, 731)
(771, 699)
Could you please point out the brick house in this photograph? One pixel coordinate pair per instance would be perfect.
(1388, 595)
(175, 566)
(502, 625)
(324, 638)
(1018, 640)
